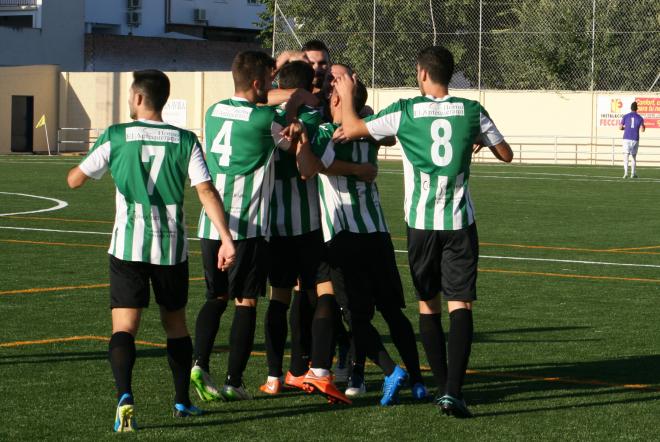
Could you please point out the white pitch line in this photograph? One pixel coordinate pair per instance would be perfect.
(60, 204)
(515, 258)
(566, 261)
(585, 178)
(84, 232)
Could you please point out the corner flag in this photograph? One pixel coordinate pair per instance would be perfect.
(42, 122)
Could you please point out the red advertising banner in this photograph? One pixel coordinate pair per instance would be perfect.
(611, 108)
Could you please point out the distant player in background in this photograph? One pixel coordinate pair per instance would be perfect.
(631, 124)
(437, 133)
(149, 161)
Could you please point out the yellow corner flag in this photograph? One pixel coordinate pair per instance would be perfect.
(42, 122)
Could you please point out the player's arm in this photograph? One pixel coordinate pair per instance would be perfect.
(94, 165)
(362, 171)
(642, 127)
(309, 165)
(299, 96)
(340, 137)
(354, 127)
(490, 136)
(76, 177)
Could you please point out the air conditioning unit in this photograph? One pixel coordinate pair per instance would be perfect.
(200, 14)
(134, 4)
(134, 18)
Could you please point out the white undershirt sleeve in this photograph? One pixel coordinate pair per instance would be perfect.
(384, 126)
(278, 139)
(96, 163)
(490, 135)
(197, 170)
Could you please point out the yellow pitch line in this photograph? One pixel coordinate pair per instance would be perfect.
(73, 220)
(64, 288)
(569, 275)
(634, 248)
(561, 380)
(627, 251)
(260, 353)
(45, 243)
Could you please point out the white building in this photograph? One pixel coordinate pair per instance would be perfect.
(126, 34)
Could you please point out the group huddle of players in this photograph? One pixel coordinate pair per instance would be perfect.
(294, 203)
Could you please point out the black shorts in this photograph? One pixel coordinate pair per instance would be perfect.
(129, 284)
(293, 257)
(245, 279)
(364, 272)
(444, 261)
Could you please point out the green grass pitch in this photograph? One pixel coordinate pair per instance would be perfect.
(567, 343)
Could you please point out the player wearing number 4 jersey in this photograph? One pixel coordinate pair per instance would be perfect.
(437, 133)
(149, 161)
(240, 140)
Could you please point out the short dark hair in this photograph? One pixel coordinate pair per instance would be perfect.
(154, 86)
(633, 106)
(249, 66)
(438, 62)
(315, 45)
(296, 74)
(360, 96)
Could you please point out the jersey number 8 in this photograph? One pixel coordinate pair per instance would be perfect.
(441, 142)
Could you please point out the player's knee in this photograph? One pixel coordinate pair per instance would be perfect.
(245, 302)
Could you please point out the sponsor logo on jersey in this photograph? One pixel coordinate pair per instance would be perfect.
(138, 133)
(443, 109)
(232, 112)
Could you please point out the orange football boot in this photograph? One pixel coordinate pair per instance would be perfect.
(271, 387)
(325, 386)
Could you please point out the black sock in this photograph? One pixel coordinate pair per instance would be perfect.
(460, 344)
(206, 329)
(121, 351)
(403, 337)
(342, 338)
(179, 354)
(275, 335)
(433, 340)
(241, 339)
(301, 325)
(368, 340)
(323, 332)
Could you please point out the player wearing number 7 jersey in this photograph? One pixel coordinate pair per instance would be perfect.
(149, 161)
(437, 133)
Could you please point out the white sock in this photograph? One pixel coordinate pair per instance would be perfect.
(273, 378)
(320, 372)
(633, 166)
(625, 163)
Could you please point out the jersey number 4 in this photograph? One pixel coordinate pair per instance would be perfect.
(222, 144)
(441, 149)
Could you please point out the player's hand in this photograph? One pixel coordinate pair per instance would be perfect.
(339, 137)
(293, 131)
(344, 85)
(226, 255)
(476, 148)
(366, 172)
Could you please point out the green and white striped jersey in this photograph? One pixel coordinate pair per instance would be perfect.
(239, 140)
(437, 135)
(149, 162)
(294, 206)
(346, 202)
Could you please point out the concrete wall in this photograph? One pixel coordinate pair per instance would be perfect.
(541, 126)
(60, 40)
(42, 82)
(113, 12)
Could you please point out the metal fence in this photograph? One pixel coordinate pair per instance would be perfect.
(497, 44)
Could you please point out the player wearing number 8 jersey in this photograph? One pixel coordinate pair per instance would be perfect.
(149, 161)
(437, 133)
